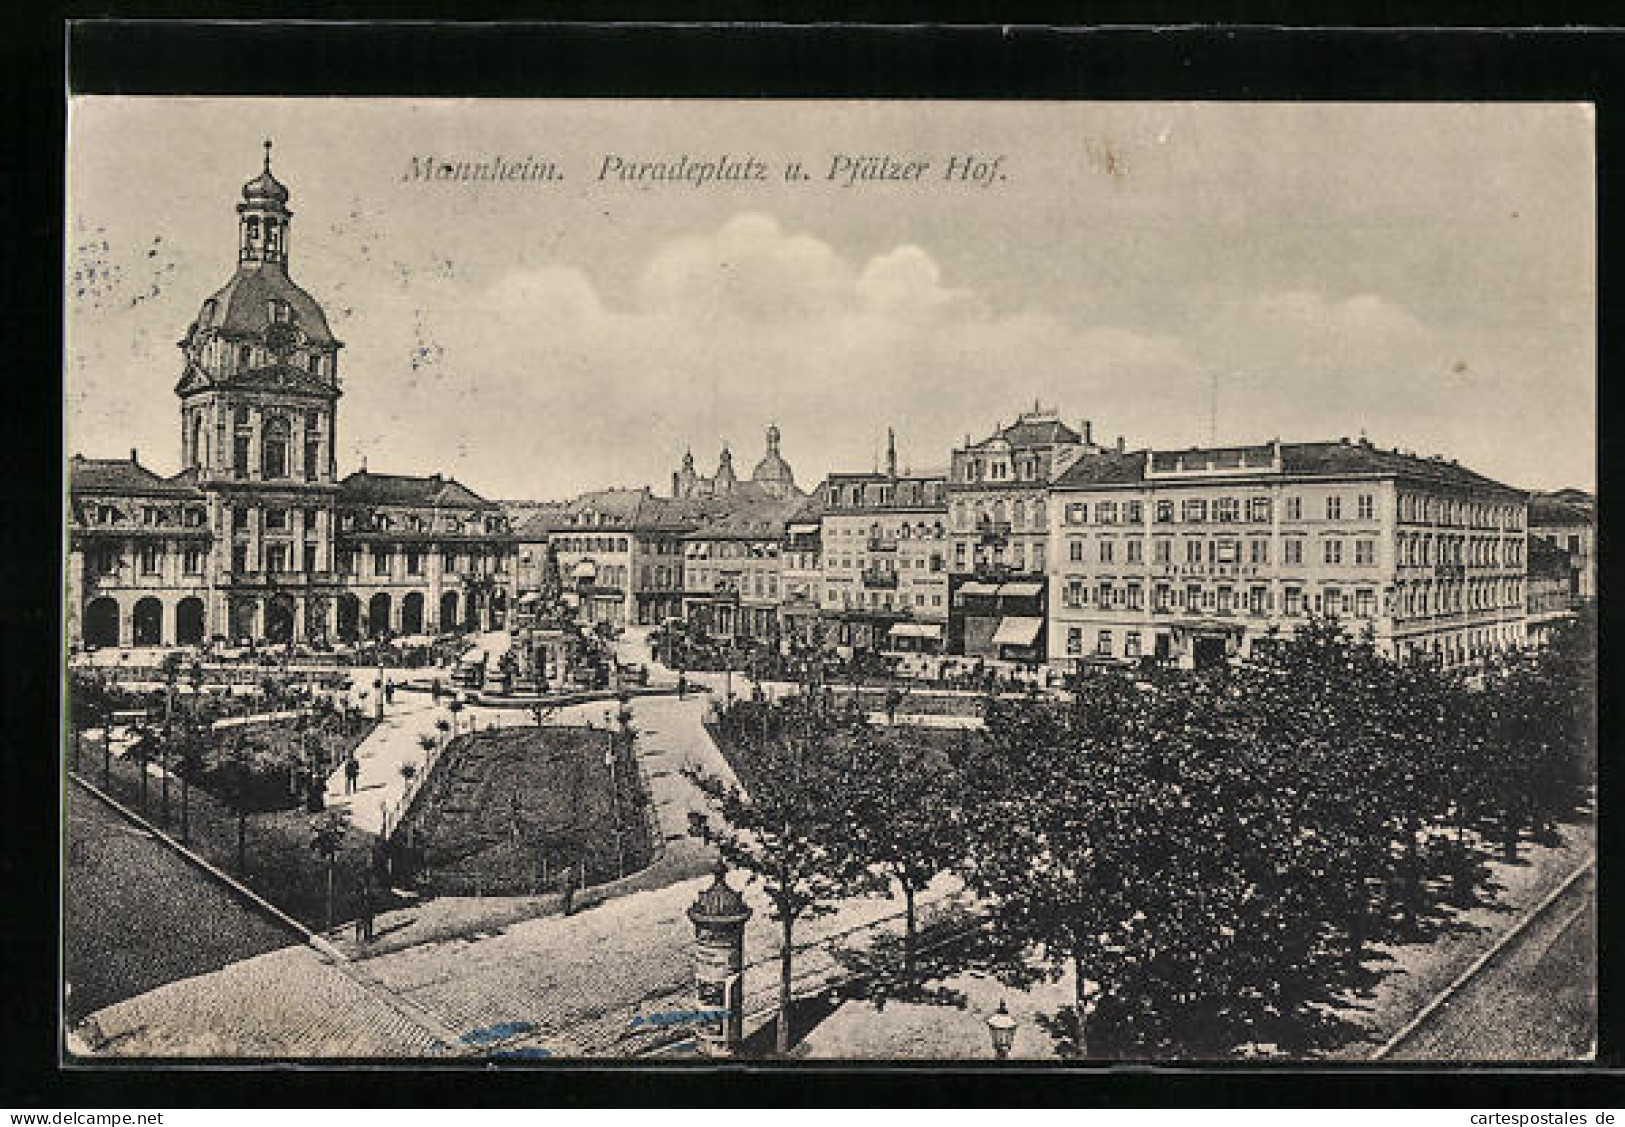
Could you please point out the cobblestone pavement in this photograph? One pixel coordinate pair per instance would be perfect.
(290, 1003)
(137, 915)
(1534, 1000)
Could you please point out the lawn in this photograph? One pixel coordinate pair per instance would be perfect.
(508, 811)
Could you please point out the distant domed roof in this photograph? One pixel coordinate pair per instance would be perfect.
(773, 467)
(242, 308)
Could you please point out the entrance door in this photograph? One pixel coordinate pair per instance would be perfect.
(1207, 652)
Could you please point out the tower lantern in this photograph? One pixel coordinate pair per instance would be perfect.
(263, 218)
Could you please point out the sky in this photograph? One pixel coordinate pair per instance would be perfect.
(1174, 272)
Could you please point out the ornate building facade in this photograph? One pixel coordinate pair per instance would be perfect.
(256, 538)
(772, 478)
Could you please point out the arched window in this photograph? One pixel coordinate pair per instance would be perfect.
(197, 440)
(274, 448)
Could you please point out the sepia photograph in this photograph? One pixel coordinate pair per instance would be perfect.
(805, 581)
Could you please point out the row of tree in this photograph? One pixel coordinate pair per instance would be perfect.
(1213, 857)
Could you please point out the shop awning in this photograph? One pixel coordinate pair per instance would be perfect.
(979, 589)
(1017, 631)
(1021, 590)
(916, 630)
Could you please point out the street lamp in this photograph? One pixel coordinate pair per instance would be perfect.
(1002, 1028)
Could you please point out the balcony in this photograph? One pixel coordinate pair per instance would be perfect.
(873, 577)
(993, 531)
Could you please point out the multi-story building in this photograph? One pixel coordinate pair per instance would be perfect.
(593, 539)
(1195, 556)
(731, 570)
(998, 499)
(1567, 519)
(256, 538)
(885, 558)
(801, 571)
(1551, 589)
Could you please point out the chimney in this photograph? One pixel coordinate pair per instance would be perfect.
(1088, 433)
(133, 459)
(1120, 444)
(891, 453)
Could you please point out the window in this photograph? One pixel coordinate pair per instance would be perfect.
(1074, 594)
(1134, 597)
(1227, 510)
(1135, 512)
(380, 561)
(1075, 514)
(1258, 552)
(1294, 508)
(1193, 597)
(1162, 550)
(1292, 551)
(245, 356)
(1107, 549)
(1574, 545)
(276, 558)
(1131, 644)
(1334, 508)
(239, 455)
(310, 558)
(1136, 551)
(959, 554)
(151, 556)
(1074, 550)
(1193, 551)
(1334, 601)
(192, 561)
(239, 557)
(1103, 643)
(1294, 601)
(1106, 512)
(1165, 512)
(1256, 600)
(414, 562)
(1365, 552)
(1258, 510)
(1103, 597)
(1334, 551)
(276, 520)
(1193, 512)
(313, 452)
(1163, 597)
(1074, 640)
(1226, 595)
(1367, 506)
(274, 448)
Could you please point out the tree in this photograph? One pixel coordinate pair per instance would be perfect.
(904, 820)
(786, 832)
(191, 755)
(238, 771)
(327, 838)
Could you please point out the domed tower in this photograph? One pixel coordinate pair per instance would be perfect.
(773, 473)
(723, 484)
(259, 394)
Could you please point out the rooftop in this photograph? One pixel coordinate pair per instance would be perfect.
(367, 488)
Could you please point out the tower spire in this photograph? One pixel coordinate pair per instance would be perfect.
(267, 154)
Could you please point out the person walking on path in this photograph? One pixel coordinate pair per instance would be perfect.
(352, 772)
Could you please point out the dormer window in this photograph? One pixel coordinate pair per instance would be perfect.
(315, 365)
(281, 313)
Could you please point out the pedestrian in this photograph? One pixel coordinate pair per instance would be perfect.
(569, 889)
(389, 692)
(352, 772)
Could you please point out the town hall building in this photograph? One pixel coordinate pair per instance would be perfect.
(257, 538)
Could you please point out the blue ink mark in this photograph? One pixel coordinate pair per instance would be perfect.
(533, 1052)
(678, 1017)
(499, 1032)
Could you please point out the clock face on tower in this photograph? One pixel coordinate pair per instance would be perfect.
(280, 339)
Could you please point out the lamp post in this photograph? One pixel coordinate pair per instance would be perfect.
(1001, 1027)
